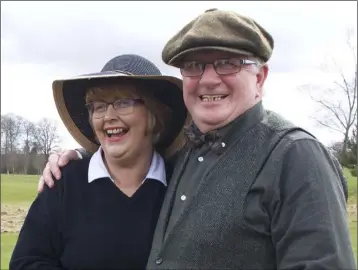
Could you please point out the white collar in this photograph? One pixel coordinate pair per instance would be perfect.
(97, 169)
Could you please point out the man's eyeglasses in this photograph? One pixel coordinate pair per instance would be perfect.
(98, 109)
(221, 66)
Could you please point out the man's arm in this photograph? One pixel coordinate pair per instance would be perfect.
(39, 243)
(57, 161)
(309, 219)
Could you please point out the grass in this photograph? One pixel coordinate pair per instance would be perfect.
(8, 241)
(352, 186)
(18, 189)
(22, 189)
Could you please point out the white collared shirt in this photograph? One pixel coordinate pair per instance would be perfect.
(97, 169)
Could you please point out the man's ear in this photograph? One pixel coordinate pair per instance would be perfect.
(261, 78)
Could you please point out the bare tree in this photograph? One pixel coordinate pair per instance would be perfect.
(46, 135)
(29, 139)
(336, 149)
(11, 128)
(338, 104)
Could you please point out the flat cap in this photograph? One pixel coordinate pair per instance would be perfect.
(219, 30)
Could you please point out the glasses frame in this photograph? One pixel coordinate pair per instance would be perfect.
(203, 65)
(133, 102)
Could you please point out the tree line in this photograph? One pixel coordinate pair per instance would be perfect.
(26, 145)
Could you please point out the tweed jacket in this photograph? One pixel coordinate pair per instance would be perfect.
(212, 232)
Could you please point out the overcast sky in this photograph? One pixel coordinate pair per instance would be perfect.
(43, 41)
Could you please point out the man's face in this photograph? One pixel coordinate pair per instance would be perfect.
(215, 100)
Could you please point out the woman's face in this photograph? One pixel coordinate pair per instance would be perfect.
(123, 128)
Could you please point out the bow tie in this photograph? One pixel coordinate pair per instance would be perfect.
(198, 139)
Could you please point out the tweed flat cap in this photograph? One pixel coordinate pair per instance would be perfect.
(219, 30)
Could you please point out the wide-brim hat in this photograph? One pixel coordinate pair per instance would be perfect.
(69, 97)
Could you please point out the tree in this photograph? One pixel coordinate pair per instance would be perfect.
(11, 128)
(29, 139)
(338, 104)
(352, 150)
(336, 149)
(46, 136)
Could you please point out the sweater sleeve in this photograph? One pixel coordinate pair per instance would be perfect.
(309, 223)
(39, 243)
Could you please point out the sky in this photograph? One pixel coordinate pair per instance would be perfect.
(44, 41)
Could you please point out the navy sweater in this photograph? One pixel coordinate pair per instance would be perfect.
(81, 225)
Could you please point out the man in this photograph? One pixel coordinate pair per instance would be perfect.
(249, 190)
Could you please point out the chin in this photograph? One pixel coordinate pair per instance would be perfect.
(213, 117)
(114, 152)
(207, 123)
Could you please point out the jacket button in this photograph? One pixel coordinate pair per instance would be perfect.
(159, 260)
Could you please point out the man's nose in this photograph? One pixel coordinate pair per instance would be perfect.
(210, 78)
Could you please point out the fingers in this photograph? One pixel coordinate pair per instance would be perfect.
(47, 176)
(40, 185)
(67, 156)
(52, 168)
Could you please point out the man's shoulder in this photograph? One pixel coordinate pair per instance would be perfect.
(278, 124)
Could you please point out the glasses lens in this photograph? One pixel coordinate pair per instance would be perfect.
(124, 106)
(191, 69)
(226, 66)
(98, 109)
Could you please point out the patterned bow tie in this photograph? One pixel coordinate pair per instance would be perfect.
(198, 139)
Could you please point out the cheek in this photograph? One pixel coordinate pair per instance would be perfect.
(189, 91)
(243, 88)
(189, 86)
(138, 121)
(97, 126)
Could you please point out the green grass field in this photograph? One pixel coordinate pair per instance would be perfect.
(20, 190)
(352, 187)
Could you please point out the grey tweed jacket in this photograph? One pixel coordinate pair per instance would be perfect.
(212, 233)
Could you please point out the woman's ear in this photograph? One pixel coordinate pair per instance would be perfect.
(151, 122)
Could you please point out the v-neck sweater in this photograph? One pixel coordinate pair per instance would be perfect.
(81, 225)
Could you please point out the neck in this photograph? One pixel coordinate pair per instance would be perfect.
(130, 174)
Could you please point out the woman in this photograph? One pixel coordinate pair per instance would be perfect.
(105, 219)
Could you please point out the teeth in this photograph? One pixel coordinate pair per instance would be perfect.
(208, 98)
(115, 131)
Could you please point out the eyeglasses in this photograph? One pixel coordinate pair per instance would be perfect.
(98, 109)
(221, 66)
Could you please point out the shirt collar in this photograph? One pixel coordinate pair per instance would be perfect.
(97, 169)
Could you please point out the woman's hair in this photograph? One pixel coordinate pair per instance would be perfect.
(159, 113)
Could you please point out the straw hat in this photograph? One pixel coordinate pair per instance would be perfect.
(69, 96)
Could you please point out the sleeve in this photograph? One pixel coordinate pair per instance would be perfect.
(39, 243)
(309, 222)
(343, 179)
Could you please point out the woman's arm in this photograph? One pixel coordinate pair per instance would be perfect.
(39, 244)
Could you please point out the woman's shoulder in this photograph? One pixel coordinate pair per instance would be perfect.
(74, 173)
(76, 166)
